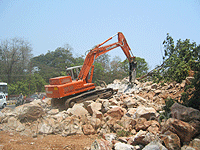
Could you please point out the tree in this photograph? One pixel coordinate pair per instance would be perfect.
(177, 59)
(101, 67)
(15, 55)
(54, 63)
(142, 66)
(191, 96)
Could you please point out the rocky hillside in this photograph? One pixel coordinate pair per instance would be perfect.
(131, 119)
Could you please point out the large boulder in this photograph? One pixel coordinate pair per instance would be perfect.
(184, 130)
(29, 112)
(145, 112)
(184, 113)
(15, 124)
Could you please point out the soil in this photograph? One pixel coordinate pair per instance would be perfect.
(15, 141)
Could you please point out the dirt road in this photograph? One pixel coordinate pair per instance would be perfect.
(9, 140)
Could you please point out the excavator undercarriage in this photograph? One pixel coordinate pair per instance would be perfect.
(68, 102)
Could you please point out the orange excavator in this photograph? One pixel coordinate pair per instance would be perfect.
(77, 86)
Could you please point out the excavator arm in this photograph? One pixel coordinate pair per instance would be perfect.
(99, 50)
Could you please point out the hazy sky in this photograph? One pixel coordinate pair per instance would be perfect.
(48, 24)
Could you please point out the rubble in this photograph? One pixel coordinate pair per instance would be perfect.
(131, 119)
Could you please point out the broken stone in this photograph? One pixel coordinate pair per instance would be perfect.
(143, 137)
(71, 126)
(195, 143)
(91, 108)
(184, 113)
(20, 128)
(13, 123)
(131, 112)
(186, 147)
(29, 112)
(78, 110)
(154, 86)
(145, 112)
(140, 124)
(45, 129)
(110, 137)
(184, 130)
(53, 112)
(100, 144)
(157, 92)
(116, 113)
(88, 129)
(154, 145)
(123, 146)
(171, 140)
(97, 114)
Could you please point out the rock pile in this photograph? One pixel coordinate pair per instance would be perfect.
(131, 119)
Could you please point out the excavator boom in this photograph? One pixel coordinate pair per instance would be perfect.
(99, 50)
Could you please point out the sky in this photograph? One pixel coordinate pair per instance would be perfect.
(49, 24)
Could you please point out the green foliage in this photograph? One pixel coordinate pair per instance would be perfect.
(123, 133)
(191, 96)
(177, 60)
(167, 112)
(142, 66)
(15, 55)
(168, 103)
(53, 63)
(34, 83)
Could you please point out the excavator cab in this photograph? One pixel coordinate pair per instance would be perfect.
(73, 72)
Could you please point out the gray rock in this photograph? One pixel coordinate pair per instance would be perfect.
(184, 113)
(13, 123)
(20, 128)
(110, 137)
(29, 112)
(123, 146)
(45, 129)
(71, 126)
(154, 145)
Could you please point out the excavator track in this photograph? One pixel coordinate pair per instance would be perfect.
(68, 102)
(91, 95)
